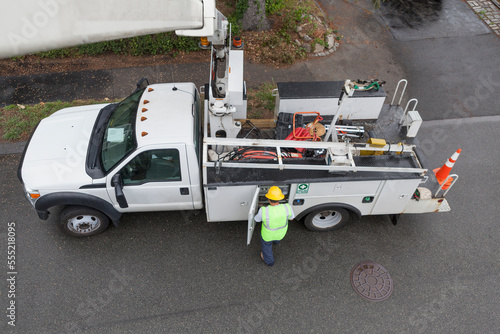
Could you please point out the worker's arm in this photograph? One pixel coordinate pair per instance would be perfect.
(258, 216)
(291, 214)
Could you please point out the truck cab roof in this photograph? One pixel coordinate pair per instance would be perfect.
(165, 114)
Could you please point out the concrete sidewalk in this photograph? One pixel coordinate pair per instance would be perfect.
(489, 12)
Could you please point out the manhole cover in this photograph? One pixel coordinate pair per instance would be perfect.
(371, 281)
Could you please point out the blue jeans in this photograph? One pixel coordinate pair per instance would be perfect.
(267, 250)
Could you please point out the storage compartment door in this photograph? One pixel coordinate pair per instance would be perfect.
(228, 203)
(394, 196)
(251, 214)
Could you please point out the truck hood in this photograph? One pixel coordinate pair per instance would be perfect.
(55, 156)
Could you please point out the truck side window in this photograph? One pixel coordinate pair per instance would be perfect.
(153, 166)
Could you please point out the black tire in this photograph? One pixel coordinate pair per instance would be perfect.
(326, 219)
(81, 221)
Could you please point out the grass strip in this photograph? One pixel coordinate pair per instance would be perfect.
(18, 121)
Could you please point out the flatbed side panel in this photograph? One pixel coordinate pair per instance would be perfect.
(236, 176)
(307, 195)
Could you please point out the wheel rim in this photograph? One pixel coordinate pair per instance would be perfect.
(84, 224)
(326, 219)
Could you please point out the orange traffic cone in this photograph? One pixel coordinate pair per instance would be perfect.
(443, 172)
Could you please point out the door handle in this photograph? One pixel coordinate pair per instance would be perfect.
(184, 191)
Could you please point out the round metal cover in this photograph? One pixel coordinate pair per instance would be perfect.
(371, 281)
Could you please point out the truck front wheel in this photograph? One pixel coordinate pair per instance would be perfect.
(80, 221)
(326, 219)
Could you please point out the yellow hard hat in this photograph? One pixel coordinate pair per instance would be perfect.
(274, 194)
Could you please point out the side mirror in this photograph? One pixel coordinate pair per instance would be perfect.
(117, 182)
(141, 84)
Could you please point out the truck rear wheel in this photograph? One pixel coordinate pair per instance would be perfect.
(81, 221)
(326, 219)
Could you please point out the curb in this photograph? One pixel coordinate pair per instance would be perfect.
(489, 12)
(12, 148)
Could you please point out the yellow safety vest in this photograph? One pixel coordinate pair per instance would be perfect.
(275, 221)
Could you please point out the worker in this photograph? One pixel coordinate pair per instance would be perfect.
(274, 218)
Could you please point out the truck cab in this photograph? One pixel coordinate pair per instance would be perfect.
(142, 154)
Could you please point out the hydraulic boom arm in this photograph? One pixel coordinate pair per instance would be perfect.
(30, 26)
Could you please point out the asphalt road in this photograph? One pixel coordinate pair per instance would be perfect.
(176, 273)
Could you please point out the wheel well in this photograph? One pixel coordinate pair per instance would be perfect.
(69, 199)
(327, 206)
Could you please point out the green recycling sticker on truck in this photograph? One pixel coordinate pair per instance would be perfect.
(303, 188)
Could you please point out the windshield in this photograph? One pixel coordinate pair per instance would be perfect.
(119, 139)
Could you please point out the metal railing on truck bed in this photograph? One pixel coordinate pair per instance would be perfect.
(336, 157)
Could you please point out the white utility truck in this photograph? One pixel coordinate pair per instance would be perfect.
(335, 149)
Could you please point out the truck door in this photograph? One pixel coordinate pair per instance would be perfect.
(152, 180)
(251, 214)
